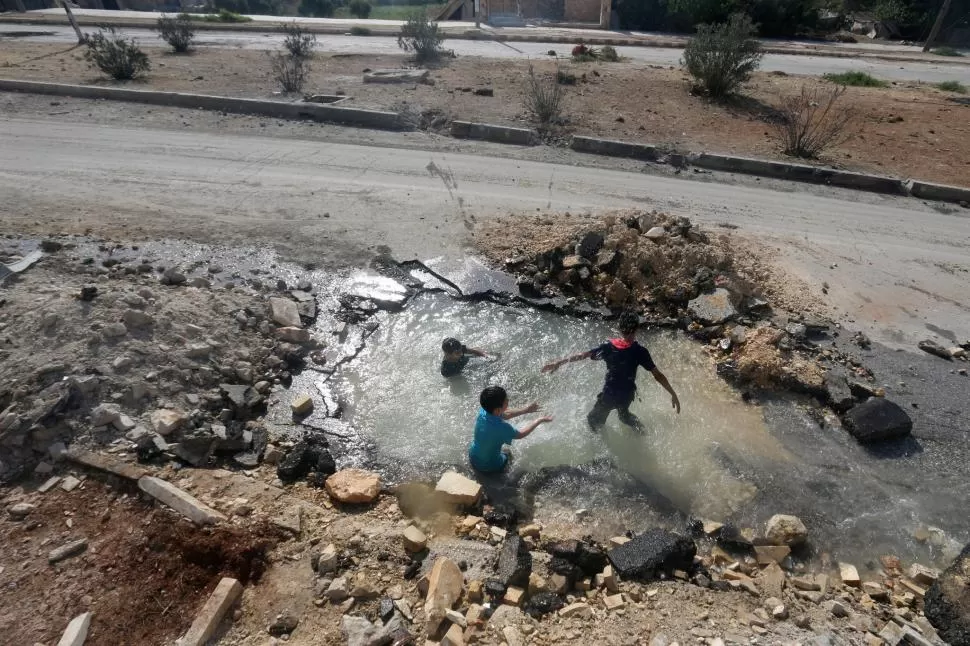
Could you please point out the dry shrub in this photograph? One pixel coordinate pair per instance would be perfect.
(813, 121)
(544, 97)
(290, 71)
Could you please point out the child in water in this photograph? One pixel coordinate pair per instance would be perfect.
(456, 357)
(493, 432)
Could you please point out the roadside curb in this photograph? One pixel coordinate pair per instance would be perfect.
(469, 34)
(278, 109)
(774, 169)
(498, 134)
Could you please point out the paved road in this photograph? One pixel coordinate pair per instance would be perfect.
(790, 64)
(892, 264)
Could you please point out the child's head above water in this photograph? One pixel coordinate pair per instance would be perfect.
(452, 348)
(494, 400)
(628, 324)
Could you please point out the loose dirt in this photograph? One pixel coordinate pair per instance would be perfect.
(908, 130)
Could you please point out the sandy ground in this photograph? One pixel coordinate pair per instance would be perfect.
(626, 100)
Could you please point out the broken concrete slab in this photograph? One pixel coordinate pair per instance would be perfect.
(714, 308)
(354, 486)
(70, 483)
(445, 584)
(49, 484)
(290, 519)
(105, 463)
(398, 76)
(876, 420)
(226, 594)
(76, 632)
(180, 501)
(651, 552)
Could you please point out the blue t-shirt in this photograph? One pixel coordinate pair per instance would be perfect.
(621, 365)
(491, 433)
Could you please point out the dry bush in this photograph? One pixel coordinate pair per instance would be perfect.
(813, 121)
(298, 41)
(290, 71)
(544, 97)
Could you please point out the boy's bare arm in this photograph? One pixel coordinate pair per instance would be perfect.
(555, 365)
(526, 430)
(517, 412)
(476, 352)
(661, 379)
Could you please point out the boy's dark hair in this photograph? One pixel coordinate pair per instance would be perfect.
(450, 345)
(493, 397)
(628, 323)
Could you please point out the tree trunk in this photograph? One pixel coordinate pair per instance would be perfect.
(81, 38)
(935, 32)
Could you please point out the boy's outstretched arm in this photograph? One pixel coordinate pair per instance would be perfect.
(661, 379)
(476, 352)
(555, 365)
(528, 428)
(531, 408)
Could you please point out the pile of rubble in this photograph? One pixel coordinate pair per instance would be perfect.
(714, 287)
(137, 357)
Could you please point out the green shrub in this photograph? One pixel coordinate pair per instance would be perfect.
(856, 79)
(421, 36)
(290, 71)
(116, 56)
(565, 78)
(359, 31)
(952, 86)
(722, 57)
(297, 41)
(544, 97)
(609, 54)
(360, 8)
(224, 15)
(317, 8)
(947, 51)
(177, 32)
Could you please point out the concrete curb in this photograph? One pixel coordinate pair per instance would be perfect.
(940, 192)
(277, 109)
(489, 132)
(182, 502)
(206, 623)
(774, 169)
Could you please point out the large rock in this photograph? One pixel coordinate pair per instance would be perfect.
(713, 308)
(947, 602)
(445, 585)
(167, 420)
(456, 489)
(651, 552)
(284, 312)
(590, 245)
(514, 563)
(876, 420)
(354, 486)
(786, 530)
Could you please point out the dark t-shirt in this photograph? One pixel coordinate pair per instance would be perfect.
(452, 368)
(621, 365)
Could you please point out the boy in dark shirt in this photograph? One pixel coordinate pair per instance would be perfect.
(456, 357)
(622, 356)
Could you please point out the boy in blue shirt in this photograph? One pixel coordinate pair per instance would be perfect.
(493, 432)
(622, 357)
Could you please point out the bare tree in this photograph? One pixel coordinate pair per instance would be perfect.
(813, 121)
(81, 38)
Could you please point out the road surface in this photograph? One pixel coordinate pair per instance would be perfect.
(893, 265)
(790, 64)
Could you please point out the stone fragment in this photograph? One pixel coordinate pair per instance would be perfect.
(354, 486)
(165, 421)
(766, 554)
(578, 609)
(49, 484)
(655, 233)
(837, 608)
(543, 603)
(453, 637)
(876, 420)
(456, 489)
(227, 592)
(806, 583)
(284, 312)
(514, 563)
(182, 502)
(76, 632)
(114, 330)
(136, 319)
(614, 602)
(293, 334)
(70, 483)
(445, 584)
(301, 404)
(67, 551)
(786, 530)
(398, 76)
(934, 348)
(104, 414)
(875, 591)
(923, 575)
(414, 539)
(713, 308)
(357, 631)
(947, 602)
(530, 530)
(283, 624)
(456, 617)
(513, 596)
(651, 552)
(772, 580)
(20, 510)
(338, 590)
(849, 575)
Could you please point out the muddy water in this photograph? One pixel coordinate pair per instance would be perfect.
(721, 458)
(415, 415)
